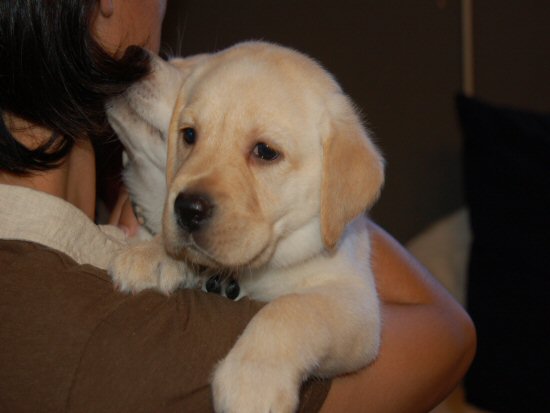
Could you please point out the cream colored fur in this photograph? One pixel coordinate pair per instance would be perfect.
(292, 230)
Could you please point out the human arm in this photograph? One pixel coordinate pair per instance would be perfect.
(428, 340)
(122, 214)
(71, 343)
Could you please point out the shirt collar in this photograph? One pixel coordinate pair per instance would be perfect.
(30, 215)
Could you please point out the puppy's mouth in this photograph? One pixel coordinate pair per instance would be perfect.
(229, 262)
(208, 249)
(193, 252)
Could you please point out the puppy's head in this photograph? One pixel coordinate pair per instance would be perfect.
(140, 117)
(267, 160)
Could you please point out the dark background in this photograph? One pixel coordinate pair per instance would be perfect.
(401, 63)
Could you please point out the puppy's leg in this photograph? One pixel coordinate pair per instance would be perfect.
(322, 332)
(145, 264)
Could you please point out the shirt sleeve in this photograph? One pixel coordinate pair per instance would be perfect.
(69, 342)
(156, 354)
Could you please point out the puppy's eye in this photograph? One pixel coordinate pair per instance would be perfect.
(189, 135)
(264, 152)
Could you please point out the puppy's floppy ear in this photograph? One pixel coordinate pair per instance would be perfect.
(353, 171)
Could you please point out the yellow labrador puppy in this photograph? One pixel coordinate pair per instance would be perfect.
(269, 171)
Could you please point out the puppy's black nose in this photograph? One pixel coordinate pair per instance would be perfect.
(192, 211)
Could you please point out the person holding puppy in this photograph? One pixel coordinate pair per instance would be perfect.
(68, 340)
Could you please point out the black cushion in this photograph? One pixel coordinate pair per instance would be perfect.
(507, 187)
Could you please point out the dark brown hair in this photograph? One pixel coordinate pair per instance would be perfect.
(54, 74)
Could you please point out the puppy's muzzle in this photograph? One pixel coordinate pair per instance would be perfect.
(192, 211)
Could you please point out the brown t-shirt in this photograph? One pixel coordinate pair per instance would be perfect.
(69, 342)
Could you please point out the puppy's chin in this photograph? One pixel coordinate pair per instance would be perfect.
(191, 254)
(221, 255)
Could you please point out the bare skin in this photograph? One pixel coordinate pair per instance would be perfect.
(428, 341)
(73, 180)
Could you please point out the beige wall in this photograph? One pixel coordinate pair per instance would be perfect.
(400, 61)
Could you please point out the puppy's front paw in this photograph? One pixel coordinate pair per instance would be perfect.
(244, 384)
(145, 265)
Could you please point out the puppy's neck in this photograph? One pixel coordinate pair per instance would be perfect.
(299, 246)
